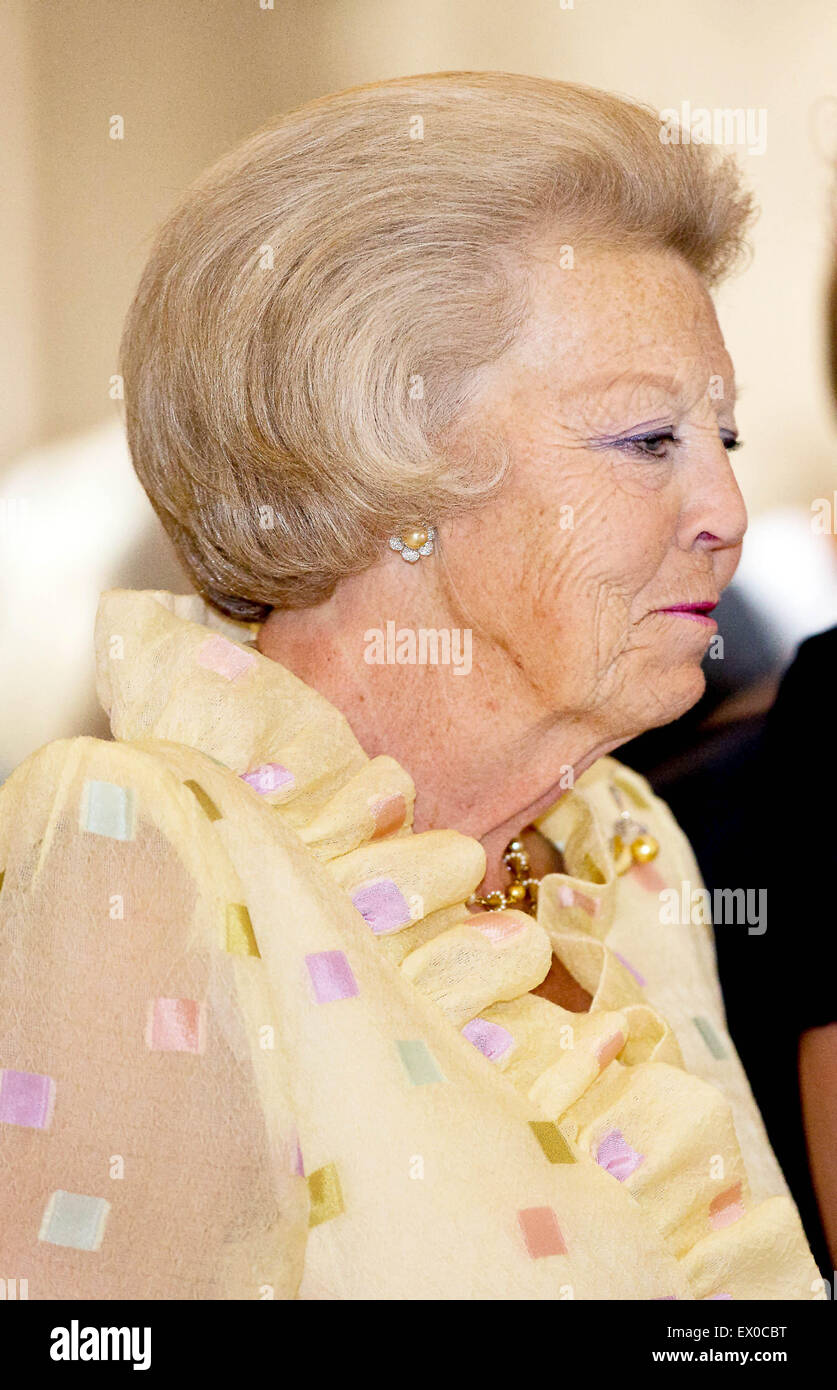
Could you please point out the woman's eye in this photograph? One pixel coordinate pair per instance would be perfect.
(661, 444)
(658, 445)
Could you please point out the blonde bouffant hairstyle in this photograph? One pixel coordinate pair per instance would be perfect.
(304, 347)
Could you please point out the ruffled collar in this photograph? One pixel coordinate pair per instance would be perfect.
(154, 649)
(298, 752)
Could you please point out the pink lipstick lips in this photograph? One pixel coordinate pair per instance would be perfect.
(698, 612)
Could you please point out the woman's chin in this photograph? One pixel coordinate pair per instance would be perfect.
(677, 692)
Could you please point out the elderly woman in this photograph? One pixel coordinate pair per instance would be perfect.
(344, 971)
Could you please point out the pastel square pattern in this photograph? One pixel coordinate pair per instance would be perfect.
(609, 1049)
(541, 1232)
(388, 813)
(331, 975)
(240, 937)
(176, 1025)
(108, 809)
(268, 778)
(325, 1195)
(419, 1062)
(552, 1141)
(617, 1157)
(26, 1099)
(491, 1039)
(710, 1037)
(75, 1220)
(726, 1208)
(499, 928)
(631, 969)
(225, 658)
(382, 905)
(203, 799)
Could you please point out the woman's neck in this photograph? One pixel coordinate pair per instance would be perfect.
(485, 755)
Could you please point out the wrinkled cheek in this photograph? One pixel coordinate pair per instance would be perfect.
(635, 480)
(639, 523)
(588, 629)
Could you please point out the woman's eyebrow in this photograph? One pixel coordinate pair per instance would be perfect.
(663, 382)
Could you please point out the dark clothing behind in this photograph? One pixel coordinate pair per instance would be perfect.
(758, 805)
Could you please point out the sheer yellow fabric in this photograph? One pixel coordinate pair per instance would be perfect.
(253, 1044)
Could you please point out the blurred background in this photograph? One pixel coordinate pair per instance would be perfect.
(191, 79)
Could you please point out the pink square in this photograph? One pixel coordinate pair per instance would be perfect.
(617, 1157)
(649, 876)
(492, 1040)
(499, 927)
(571, 897)
(268, 778)
(176, 1025)
(640, 979)
(225, 658)
(26, 1099)
(541, 1232)
(382, 905)
(727, 1208)
(331, 976)
(610, 1048)
(388, 813)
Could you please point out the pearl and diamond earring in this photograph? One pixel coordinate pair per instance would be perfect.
(414, 542)
(631, 842)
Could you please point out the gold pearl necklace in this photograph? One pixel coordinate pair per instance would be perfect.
(630, 844)
(521, 893)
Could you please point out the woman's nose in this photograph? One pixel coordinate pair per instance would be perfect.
(714, 515)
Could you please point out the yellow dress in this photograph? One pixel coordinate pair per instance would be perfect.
(254, 1046)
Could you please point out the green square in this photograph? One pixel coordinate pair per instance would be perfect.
(419, 1063)
(108, 810)
(75, 1220)
(710, 1037)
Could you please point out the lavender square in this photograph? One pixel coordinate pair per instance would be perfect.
(382, 905)
(26, 1099)
(331, 976)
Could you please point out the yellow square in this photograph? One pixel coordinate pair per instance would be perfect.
(241, 939)
(325, 1195)
(552, 1141)
(205, 801)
